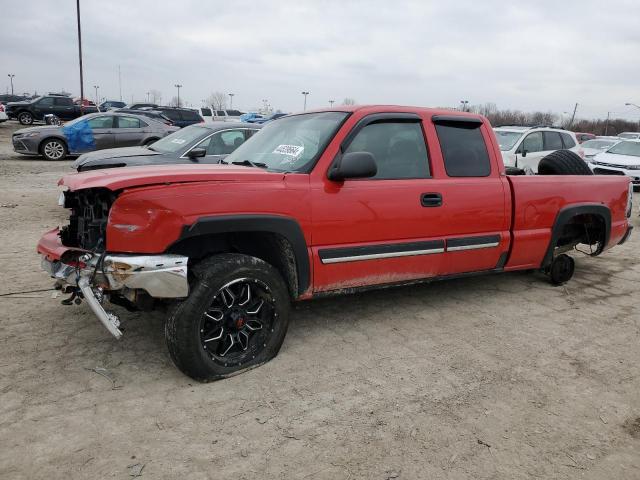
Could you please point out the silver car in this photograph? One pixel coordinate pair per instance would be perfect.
(109, 129)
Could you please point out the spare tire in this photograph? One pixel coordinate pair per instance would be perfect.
(563, 162)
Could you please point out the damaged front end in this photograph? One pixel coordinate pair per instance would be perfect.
(76, 258)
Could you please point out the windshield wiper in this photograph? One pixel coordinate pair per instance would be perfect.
(248, 163)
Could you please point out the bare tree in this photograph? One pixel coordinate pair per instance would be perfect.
(218, 100)
(349, 101)
(155, 96)
(175, 102)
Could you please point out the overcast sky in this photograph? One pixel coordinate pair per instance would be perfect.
(533, 55)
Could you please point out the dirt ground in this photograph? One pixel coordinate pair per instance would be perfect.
(492, 377)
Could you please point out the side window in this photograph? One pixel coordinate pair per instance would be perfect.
(224, 143)
(463, 149)
(63, 102)
(532, 143)
(101, 122)
(128, 122)
(206, 112)
(204, 144)
(46, 102)
(399, 149)
(220, 113)
(567, 140)
(172, 115)
(552, 141)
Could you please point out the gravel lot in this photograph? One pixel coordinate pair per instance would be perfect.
(492, 377)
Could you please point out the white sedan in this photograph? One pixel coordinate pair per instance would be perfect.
(3, 114)
(621, 159)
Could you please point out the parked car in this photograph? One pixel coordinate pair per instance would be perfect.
(201, 144)
(139, 105)
(621, 159)
(153, 114)
(269, 118)
(227, 115)
(251, 117)
(109, 130)
(630, 135)
(318, 203)
(85, 103)
(583, 137)
(7, 97)
(3, 114)
(111, 105)
(593, 147)
(61, 106)
(524, 147)
(181, 117)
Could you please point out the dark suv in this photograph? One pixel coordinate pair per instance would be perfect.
(181, 117)
(61, 106)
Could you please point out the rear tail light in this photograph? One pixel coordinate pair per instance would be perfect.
(1, 108)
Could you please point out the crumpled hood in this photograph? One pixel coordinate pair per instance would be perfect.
(616, 159)
(128, 177)
(113, 153)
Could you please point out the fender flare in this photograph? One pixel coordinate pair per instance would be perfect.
(285, 226)
(565, 215)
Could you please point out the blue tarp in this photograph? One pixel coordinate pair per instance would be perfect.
(79, 136)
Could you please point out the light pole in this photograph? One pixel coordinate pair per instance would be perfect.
(331, 103)
(96, 87)
(11, 75)
(305, 100)
(628, 104)
(148, 93)
(178, 86)
(231, 100)
(464, 104)
(80, 58)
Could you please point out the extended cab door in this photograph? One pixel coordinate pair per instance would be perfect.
(475, 211)
(385, 229)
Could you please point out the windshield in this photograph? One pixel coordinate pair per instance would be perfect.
(629, 135)
(626, 148)
(180, 139)
(599, 144)
(507, 140)
(292, 144)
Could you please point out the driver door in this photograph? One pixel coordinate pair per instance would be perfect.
(530, 151)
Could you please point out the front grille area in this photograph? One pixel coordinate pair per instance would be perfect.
(605, 171)
(613, 165)
(88, 222)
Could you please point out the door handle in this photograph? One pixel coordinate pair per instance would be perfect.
(431, 199)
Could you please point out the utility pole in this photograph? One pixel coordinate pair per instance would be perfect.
(96, 88)
(177, 85)
(80, 58)
(574, 115)
(11, 75)
(464, 104)
(231, 100)
(120, 82)
(606, 125)
(305, 100)
(148, 93)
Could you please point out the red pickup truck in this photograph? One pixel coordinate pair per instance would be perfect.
(317, 203)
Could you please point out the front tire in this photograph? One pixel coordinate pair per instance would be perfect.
(235, 318)
(53, 149)
(25, 118)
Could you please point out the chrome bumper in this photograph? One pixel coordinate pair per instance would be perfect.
(161, 276)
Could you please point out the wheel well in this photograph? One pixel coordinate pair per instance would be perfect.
(587, 229)
(151, 140)
(271, 247)
(45, 140)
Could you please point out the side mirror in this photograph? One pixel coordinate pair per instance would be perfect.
(524, 153)
(197, 153)
(353, 165)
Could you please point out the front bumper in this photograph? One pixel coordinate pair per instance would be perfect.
(25, 145)
(605, 169)
(97, 276)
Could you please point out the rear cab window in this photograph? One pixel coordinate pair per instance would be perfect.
(463, 148)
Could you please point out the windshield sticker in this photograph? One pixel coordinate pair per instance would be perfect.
(293, 150)
(179, 141)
